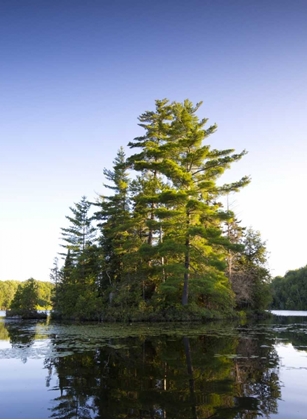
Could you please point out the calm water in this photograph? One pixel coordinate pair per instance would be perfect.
(217, 370)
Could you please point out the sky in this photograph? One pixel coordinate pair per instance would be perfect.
(75, 75)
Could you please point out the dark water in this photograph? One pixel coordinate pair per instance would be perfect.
(217, 370)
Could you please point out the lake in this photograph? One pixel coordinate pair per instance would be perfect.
(215, 370)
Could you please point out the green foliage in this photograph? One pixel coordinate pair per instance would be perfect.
(161, 244)
(79, 276)
(114, 222)
(196, 371)
(80, 233)
(247, 269)
(76, 295)
(7, 291)
(45, 291)
(177, 198)
(290, 291)
(26, 297)
(34, 294)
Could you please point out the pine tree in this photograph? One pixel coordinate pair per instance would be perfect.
(145, 194)
(113, 218)
(55, 272)
(80, 233)
(156, 125)
(186, 207)
(249, 275)
(79, 275)
(162, 235)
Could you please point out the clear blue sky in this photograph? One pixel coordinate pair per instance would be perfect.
(75, 75)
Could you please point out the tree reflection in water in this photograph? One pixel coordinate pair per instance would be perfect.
(21, 336)
(4, 335)
(210, 376)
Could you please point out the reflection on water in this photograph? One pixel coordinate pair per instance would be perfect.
(218, 374)
(4, 335)
(163, 371)
(23, 339)
(162, 378)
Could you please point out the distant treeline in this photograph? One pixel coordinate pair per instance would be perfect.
(290, 291)
(9, 288)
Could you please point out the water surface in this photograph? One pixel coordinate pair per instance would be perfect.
(216, 370)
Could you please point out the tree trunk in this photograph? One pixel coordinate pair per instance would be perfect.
(185, 292)
(187, 350)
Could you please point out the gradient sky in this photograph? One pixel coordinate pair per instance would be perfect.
(75, 75)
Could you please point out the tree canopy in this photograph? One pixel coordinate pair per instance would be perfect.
(158, 247)
(290, 291)
(30, 294)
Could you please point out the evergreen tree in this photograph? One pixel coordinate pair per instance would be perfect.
(55, 272)
(81, 233)
(27, 296)
(185, 208)
(249, 275)
(66, 292)
(77, 293)
(156, 125)
(113, 216)
(145, 196)
(79, 275)
(166, 241)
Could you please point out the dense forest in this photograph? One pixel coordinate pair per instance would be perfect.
(290, 291)
(34, 294)
(162, 245)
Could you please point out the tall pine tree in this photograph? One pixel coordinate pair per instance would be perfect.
(79, 277)
(186, 208)
(113, 217)
(81, 233)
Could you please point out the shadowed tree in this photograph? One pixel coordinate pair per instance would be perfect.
(27, 296)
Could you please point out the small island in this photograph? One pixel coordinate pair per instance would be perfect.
(164, 245)
(31, 299)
